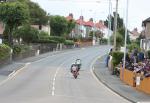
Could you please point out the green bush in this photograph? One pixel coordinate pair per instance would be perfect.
(45, 41)
(43, 35)
(117, 57)
(103, 41)
(17, 49)
(4, 51)
(27, 33)
(69, 42)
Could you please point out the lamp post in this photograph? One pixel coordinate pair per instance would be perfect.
(49, 27)
(126, 32)
(109, 23)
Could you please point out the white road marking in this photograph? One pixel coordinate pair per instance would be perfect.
(13, 74)
(55, 75)
(54, 79)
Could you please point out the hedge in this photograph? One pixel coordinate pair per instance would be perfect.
(4, 51)
(117, 57)
(45, 41)
(69, 42)
(57, 39)
(17, 49)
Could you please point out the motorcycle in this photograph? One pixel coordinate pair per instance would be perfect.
(74, 71)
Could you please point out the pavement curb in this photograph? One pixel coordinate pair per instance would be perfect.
(102, 81)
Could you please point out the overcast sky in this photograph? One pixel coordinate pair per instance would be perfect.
(138, 9)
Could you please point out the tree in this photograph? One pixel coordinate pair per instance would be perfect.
(13, 14)
(70, 26)
(120, 23)
(37, 14)
(27, 33)
(58, 25)
(122, 33)
(99, 34)
(119, 40)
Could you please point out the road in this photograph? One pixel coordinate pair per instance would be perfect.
(49, 80)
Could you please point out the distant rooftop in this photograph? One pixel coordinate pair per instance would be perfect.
(145, 21)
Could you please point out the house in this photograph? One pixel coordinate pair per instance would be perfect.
(146, 25)
(83, 28)
(45, 28)
(134, 34)
(89, 25)
(145, 43)
(80, 29)
(101, 27)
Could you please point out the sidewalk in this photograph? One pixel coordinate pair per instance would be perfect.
(115, 84)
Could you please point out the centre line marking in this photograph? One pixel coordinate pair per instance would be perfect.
(54, 79)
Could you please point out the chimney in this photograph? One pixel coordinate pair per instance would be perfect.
(101, 22)
(135, 29)
(81, 17)
(91, 19)
(71, 15)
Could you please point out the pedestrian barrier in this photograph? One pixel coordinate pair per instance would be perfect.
(127, 77)
(144, 85)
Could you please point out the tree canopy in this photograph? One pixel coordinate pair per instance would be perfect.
(27, 33)
(37, 14)
(70, 25)
(120, 23)
(13, 14)
(58, 25)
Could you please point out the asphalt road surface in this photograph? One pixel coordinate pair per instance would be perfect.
(49, 80)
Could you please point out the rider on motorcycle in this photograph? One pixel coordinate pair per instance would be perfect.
(73, 68)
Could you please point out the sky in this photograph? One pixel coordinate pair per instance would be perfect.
(99, 9)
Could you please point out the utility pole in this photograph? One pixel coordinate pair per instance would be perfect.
(109, 22)
(125, 44)
(115, 25)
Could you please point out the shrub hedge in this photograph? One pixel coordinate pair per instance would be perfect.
(69, 42)
(57, 39)
(51, 39)
(117, 57)
(17, 49)
(4, 51)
